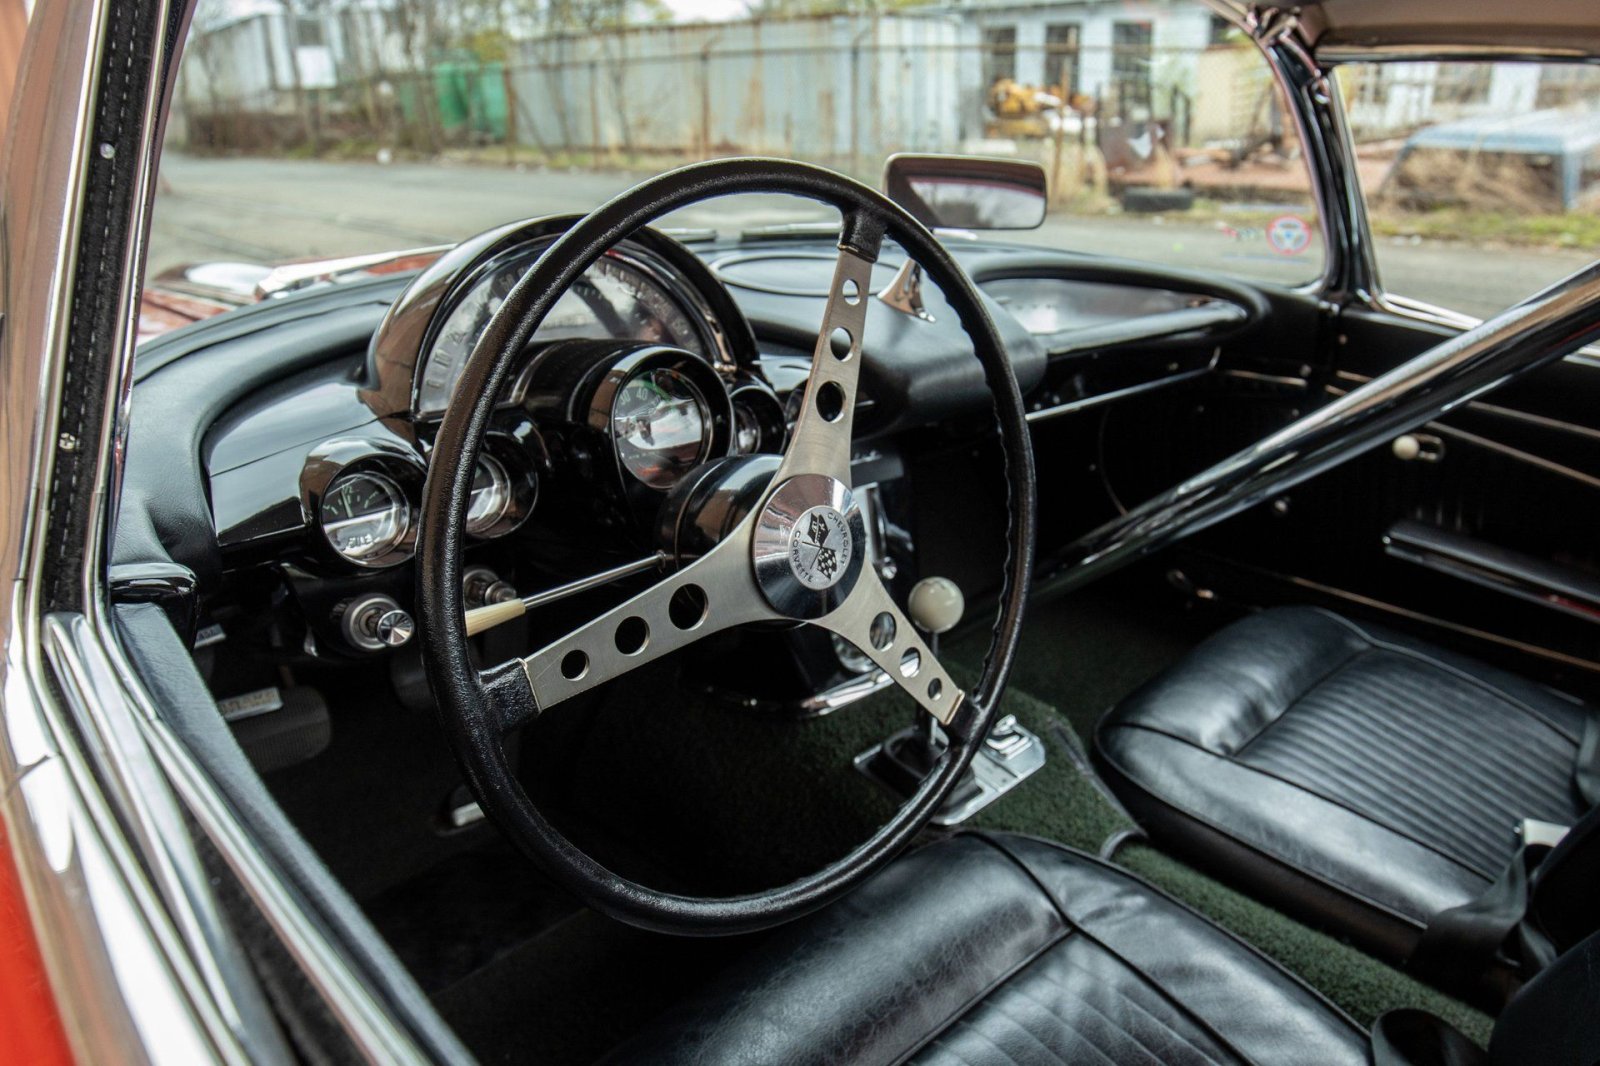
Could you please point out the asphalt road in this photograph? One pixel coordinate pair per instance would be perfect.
(267, 210)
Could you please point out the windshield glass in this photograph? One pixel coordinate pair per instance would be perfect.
(304, 129)
(1482, 179)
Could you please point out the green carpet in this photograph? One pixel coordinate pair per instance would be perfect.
(1084, 652)
(1360, 984)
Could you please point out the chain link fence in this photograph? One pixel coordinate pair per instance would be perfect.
(828, 91)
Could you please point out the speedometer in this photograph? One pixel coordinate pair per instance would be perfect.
(618, 298)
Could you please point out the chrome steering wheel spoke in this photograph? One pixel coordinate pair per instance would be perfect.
(820, 441)
(715, 592)
(871, 621)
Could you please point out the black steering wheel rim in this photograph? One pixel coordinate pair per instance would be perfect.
(474, 708)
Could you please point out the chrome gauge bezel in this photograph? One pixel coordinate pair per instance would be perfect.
(333, 461)
(499, 487)
(614, 376)
(693, 397)
(521, 482)
(757, 403)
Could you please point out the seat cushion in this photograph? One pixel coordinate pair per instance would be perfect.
(1353, 776)
(1005, 950)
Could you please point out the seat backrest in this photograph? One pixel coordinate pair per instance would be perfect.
(1555, 1018)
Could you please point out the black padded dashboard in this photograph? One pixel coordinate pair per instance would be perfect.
(245, 394)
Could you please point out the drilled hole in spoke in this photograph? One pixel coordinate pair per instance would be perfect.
(633, 633)
(910, 662)
(840, 343)
(850, 291)
(830, 401)
(688, 607)
(935, 689)
(574, 665)
(881, 633)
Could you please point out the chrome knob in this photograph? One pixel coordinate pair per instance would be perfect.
(394, 628)
(936, 605)
(375, 622)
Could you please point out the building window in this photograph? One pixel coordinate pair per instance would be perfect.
(308, 33)
(1463, 83)
(1130, 63)
(1061, 56)
(999, 53)
(1567, 84)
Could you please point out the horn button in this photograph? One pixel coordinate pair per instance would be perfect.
(809, 546)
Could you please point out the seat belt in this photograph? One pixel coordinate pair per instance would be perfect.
(1462, 942)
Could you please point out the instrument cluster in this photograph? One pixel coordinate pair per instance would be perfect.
(643, 370)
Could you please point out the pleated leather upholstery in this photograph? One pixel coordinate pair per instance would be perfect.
(1076, 1003)
(1356, 777)
(1002, 951)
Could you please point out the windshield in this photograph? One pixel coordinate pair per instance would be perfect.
(305, 130)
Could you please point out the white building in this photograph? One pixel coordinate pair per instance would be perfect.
(1101, 48)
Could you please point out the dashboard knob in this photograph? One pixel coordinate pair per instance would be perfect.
(936, 605)
(394, 627)
(375, 622)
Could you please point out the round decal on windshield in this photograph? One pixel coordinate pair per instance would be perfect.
(1288, 235)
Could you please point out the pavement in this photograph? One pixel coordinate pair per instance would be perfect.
(269, 210)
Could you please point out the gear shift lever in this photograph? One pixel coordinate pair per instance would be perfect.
(935, 607)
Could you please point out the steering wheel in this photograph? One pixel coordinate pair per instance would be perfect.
(798, 555)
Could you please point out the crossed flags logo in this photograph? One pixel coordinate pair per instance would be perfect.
(827, 559)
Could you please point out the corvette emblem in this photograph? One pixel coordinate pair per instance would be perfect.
(820, 548)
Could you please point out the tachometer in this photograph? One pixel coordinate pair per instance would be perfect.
(365, 516)
(662, 426)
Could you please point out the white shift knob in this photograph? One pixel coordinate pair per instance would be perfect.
(936, 605)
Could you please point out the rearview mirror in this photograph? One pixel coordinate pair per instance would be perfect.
(967, 192)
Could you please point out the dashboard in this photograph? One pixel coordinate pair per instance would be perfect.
(668, 355)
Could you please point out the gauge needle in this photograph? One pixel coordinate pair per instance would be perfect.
(490, 615)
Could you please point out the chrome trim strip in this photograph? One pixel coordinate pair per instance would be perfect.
(1434, 315)
(1486, 574)
(1537, 332)
(1483, 406)
(1455, 627)
(1119, 394)
(1268, 379)
(1547, 465)
(205, 961)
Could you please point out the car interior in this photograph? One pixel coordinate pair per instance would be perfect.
(445, 576)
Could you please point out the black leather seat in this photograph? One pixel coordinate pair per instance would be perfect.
(1353, 776)
(1003, 949)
